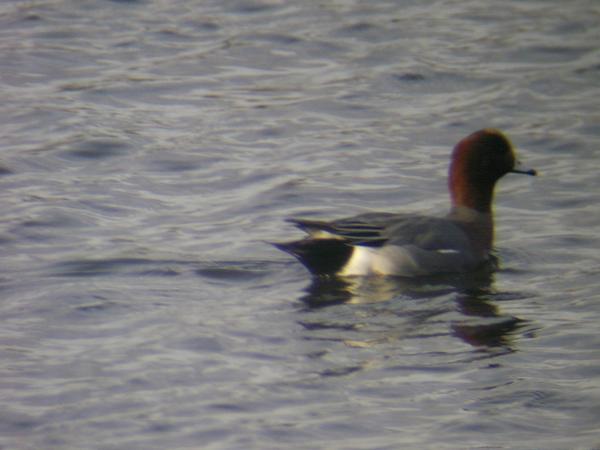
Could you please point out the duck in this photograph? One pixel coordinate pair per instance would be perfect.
(413, 245)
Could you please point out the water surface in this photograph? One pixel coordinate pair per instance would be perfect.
(150, 151)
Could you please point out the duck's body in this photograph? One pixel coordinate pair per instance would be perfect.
(393, 244)
(414, 245)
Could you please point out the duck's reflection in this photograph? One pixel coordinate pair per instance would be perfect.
(484, 324)
(463, 303)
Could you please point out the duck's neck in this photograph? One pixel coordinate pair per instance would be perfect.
(478, 225)
(477, 196)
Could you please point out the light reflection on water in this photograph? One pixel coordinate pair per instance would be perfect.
(151, 150)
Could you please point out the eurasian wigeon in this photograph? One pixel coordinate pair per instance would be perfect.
(414, 245)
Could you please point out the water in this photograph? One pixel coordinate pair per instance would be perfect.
(151, 149)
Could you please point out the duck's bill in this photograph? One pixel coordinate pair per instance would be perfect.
(523, 170)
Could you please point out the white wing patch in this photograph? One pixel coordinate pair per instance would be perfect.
(322, 234)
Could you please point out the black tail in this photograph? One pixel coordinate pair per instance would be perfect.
(319, 256)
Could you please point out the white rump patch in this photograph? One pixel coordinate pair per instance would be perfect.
(360, 263)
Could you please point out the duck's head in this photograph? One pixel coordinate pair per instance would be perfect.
(478, 162)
